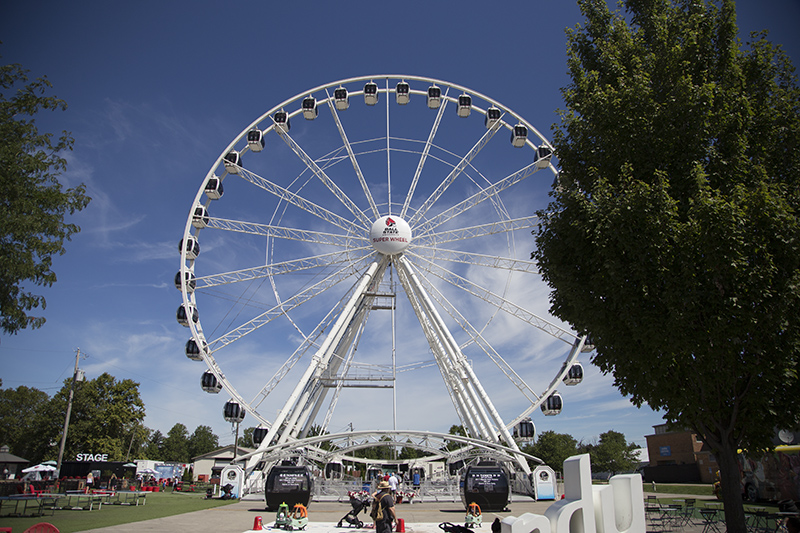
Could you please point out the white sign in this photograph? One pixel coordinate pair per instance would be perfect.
(92, 457)
(614, 508)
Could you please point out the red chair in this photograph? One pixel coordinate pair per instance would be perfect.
(42, 527)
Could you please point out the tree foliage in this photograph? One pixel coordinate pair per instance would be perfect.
(33, 205)
(612, 454)
(201, 441)
(176, 444)
(673, 236)
(553, 448)
(105, 414)
(22, 411)
(154, 449)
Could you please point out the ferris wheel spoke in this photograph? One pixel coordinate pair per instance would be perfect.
(308, 342)
(424, 155)
(325, 179)
(465, 161)
(282, 232)
(352, 156)
(487, 193)
(480, 230)
(284, 267)
(286, 305)
(469, 258)
(497, 301)
(298, 201)
(477, 400)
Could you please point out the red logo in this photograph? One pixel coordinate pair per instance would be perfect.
(390, 222)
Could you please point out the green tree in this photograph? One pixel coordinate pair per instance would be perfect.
(246, 439)
(203, 440)
(455, 430)
(104, 412)
(154, 450)
(21, 412)
(33, 205)
(176, 444)
(612, 454)
(672, 237)
(553, 448)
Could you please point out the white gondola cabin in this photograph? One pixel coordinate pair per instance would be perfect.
(543, 156)
(258, 435)
(233, 162)
(213, 188)
(341, 98)
(310, 110)
(493, 115)
(519, 135)
(255, 140)
(464, 105)
(574, 375)
(371, 93)
(233, 412)
(192, 350)
(200, 217)
(210, 383)
(282, 122)
(588, 344)
(183, 315)
(191, 282)
(525, 430)
(402, 93)
(434, 97)
(553, 404)
(192, 247)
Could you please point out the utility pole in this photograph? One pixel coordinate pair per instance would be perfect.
(69, 412)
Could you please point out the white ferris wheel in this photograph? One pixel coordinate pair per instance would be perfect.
(370, 231)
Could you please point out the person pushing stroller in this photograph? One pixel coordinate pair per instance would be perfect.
(383, 512)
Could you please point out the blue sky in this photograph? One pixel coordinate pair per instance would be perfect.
(156, 91)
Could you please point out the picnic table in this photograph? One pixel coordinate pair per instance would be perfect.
(79, 500)
(31, 505)
(129, 497)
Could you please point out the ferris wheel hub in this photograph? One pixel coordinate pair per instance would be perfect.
(390, 235)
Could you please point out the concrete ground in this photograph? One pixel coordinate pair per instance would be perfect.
(323, 517)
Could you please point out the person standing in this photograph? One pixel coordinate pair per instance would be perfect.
(384, 500)
(393, 485)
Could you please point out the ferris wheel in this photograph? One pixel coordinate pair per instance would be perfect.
(369, 231)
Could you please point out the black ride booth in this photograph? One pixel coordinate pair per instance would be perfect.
(487, 485)
(288, 484)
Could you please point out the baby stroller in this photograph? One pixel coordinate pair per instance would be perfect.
(358, 504)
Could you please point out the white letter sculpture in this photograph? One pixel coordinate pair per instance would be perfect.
(614, 508)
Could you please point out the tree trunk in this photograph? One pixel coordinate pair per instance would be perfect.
(730, 479)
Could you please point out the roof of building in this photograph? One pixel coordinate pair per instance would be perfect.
(6, 457)
(226, 452)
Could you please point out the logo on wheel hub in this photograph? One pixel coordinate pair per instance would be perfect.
(390, 235)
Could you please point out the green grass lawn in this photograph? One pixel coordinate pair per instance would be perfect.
(676, 488)
(159, 505)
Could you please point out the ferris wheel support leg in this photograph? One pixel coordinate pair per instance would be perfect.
(342, 326)
(317, 357)
(477, 393)
(465, 407)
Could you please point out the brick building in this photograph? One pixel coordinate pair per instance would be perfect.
(678, 456)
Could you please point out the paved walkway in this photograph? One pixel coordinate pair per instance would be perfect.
(240, 517)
